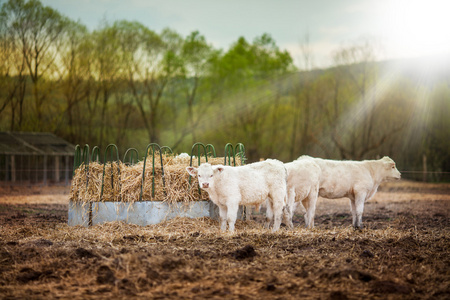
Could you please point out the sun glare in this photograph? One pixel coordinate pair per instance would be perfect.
(417, 27)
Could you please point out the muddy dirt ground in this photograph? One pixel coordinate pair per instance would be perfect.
(403, 252)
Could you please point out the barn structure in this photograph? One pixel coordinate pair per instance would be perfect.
(35, 158)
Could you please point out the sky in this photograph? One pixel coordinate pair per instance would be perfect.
(400, 28)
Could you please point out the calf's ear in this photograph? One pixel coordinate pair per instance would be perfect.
(192, 171)
(219, 168)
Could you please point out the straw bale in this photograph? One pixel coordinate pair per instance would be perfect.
(123, 182)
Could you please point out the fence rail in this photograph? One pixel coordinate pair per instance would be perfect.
(426, 176)
(35, 169)
(49, 170)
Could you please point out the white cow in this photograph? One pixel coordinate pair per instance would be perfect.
(228, 187)
(356, 180)
(303, 177)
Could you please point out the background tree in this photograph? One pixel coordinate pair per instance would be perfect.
(12, 75)
(355, 101)
(36, 30)
(74, 76)
(139, 51)
(196, 55)
(436, 137)
(302, 98)
(249, 78)
(161, 67)
(126, 84)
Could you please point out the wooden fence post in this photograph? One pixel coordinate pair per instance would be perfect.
(45, 170)
(57, 168)
(424, 162)
(13, 169)
(66, 174)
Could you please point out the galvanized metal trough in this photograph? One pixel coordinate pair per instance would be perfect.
(140, 213)
(144, 213)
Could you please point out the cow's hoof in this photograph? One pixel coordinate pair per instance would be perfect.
(358, 228)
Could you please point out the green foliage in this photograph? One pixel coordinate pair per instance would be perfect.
(126, 84)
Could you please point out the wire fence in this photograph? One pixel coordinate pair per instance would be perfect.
(426, 176)
(57, 170)
(36, 170)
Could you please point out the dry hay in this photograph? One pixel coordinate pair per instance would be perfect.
(190, 259)
(403, 253)
(123, 182)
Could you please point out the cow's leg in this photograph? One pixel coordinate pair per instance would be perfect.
(353, 210)
(288, 209)
(359, 203)
(311, 210)
(248, 213)
(287, 216)
(277, 207)
(269, 214)
(294, 208)
(306, 204)
(232, 215)
(223, 217)
(314, 194)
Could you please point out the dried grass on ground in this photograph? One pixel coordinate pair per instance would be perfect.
(404, 253)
